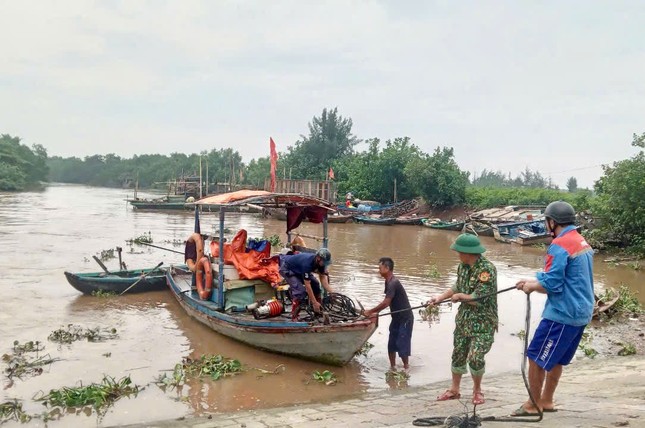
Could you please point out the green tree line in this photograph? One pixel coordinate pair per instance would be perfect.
(21, 167)
(383, 171)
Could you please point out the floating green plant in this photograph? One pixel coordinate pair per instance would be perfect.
(213, 366)
(364, 349)
(627, 349)
(106, 254)
(326, 377)
(399, 377)
(146, 238)
(96, 395)
(585, 345)
(74, 333)
(12, 411)
(103, 293)
(627, 302)
(21, 363)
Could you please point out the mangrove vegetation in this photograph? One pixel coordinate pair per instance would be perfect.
(385, 171)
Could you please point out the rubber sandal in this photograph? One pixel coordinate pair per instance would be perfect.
(478, 398)
(521, 411)
(549, 410)
(448, 395)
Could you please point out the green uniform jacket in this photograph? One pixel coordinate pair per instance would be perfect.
(479, 280)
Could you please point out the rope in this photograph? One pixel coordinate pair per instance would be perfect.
(540, 414)
(485, 296)
(467, 421)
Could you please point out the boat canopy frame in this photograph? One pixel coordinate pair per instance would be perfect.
(297, 203)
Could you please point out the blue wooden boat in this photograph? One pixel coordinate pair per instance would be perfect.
(118, 282)
(522, 233)
(331, 341)
(335, 344)
(387, 221)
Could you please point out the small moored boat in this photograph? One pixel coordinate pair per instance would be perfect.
(387, 221)
(154, 279)
(456, 226)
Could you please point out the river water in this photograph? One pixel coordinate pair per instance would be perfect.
(43, 234)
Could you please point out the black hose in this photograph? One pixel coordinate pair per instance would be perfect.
(539, 415)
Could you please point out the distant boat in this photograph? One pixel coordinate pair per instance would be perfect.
(511, 213)
(163, 203)
(183, 189)
(339, 218)
(409, 220)
(119, 281)
(387, 221)
(479, 228)
(522, 233)
(456, 226)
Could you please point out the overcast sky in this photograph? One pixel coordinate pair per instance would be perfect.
(556, 86)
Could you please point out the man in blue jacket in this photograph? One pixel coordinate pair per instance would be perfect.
(567, 280)
(298, 270)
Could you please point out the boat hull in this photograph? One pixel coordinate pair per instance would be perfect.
(118, 282)
(379, 221)
(162, 206)
(334, 344)
(455, 227)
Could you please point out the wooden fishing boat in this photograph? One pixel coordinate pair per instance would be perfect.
(118, 282)
(409, 220)
(522, 233)
(445, 225)
(332, 340)
(158, 204)
(387, 221)
(479, 228)
(340, 218)
(334, 344)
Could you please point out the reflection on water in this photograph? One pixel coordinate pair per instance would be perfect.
(44, 234)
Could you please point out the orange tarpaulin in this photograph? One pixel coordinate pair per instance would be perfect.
(250, 265)
(226, 198)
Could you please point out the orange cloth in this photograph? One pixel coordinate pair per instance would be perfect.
(251, 265)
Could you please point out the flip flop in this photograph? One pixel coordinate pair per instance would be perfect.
(549, 410)
(448, 395)
(478, 398)
(521, 411)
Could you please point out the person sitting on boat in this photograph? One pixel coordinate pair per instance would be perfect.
(402, 318)
(348, 200)
(298, 270)
(194, 250)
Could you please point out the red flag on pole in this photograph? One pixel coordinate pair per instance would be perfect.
(274, 163)
(331, 174)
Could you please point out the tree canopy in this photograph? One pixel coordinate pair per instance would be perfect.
(620, 202)
(330, 138)
(20, 166)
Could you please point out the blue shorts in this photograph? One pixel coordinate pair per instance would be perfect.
(554, 343)
(401, 338)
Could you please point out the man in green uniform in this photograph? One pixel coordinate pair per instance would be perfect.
(476, 321)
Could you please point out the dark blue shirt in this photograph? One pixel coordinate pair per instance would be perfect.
(300, 264)
(395, 291)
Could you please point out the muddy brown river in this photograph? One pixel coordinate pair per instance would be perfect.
(43, 234)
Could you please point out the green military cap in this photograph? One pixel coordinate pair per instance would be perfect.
(468, 243)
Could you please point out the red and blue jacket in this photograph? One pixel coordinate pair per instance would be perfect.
(568, 279)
